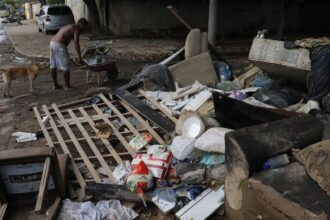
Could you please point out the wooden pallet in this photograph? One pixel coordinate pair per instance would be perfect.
(72, 131)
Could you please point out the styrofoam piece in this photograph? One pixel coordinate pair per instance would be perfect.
(45, 119)
(24, 136)
(203, 206)
(198, 100)
(163, 205)
(193, 127)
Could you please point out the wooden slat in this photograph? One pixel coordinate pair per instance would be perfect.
(91, 144)
(121, 117)
(74, 109)
(105, 141)
(26, 153)
(43, 127)
(103, 155)
(65, 149)
(124, 133)
(43, 186)
(143, 122)
(93, 119)
(155, 103)
(82, 153)
(54, 209)
(115, 131)
(3, 209)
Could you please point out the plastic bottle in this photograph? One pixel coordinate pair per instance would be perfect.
(277, 161)
(223, 71)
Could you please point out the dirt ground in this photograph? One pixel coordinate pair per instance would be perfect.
(30, 42)
(16, 114)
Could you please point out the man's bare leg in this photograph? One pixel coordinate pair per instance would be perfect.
(67, 79)
(54, 76)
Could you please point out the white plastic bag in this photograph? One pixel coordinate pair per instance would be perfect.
(121, 172)
(182, 146)
(213, 140)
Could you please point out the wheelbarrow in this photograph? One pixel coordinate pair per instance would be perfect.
(98, 61)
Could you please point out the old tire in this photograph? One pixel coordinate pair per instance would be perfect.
(112, 73)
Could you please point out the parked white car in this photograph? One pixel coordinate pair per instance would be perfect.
(53, 17)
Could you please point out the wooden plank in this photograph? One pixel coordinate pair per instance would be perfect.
(146, 110)
(43, 127)
(91, 144)
(26, 153)
(106, 143)
(54, 209)
(70, 123)
(143, 122)
(3, 209)
(124, 133)
(65, 149)
(155, 103)
(82, 153)
(115, 131)
(103, 155)
(43, 186)
(121, 117)
(60, 169)
(74, 109)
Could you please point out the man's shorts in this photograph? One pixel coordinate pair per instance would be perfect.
(59, 56)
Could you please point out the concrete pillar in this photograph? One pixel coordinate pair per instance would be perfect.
(213, 22)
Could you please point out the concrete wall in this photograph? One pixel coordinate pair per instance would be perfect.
(78, 8)
(237, 18)
(31, 9)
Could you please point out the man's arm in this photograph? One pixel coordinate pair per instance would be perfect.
(76, 44)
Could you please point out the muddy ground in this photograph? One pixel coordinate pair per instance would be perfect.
(16, 113)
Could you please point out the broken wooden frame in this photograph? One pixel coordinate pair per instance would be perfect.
(31, 156)
(71, 131)
(3, 202)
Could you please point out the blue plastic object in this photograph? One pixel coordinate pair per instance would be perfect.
(223, 71)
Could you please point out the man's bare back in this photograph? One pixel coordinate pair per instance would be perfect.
(59, 55)
(66, 34)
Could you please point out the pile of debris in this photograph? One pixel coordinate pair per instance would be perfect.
(181, 137)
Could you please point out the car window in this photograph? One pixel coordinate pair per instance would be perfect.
(59, 11)
(2, 7)
(41, 12)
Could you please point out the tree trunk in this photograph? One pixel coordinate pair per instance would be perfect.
(93, 16)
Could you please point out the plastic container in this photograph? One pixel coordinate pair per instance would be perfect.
(276, 162)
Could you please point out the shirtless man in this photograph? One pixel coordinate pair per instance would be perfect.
(59, 55)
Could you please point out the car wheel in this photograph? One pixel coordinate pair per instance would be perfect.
(45, 30)
(112, 73)
(38, 28)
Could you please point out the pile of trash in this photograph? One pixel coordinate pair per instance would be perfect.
(185, 174)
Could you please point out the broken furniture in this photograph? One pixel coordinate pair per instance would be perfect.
(199, 67)
(95, 57)
(72, 131)
(273, 58)
(282, 193)
(235, 114)
(30, 170)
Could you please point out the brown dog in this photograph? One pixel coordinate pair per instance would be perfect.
(12, 73)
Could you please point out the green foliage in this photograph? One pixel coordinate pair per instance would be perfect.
(13, 3)
(54, 1)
